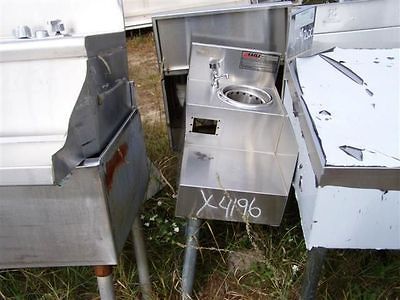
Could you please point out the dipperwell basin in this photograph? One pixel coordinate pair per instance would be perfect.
(239, 151)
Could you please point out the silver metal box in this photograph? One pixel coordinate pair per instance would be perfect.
(87, 220)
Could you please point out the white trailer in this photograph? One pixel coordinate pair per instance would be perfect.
(138, 13)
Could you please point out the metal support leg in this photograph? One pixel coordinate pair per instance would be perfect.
(315, 261)
(141, 259)
(189, 264)
(105, 282)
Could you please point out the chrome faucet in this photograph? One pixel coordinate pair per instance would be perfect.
(215, 66)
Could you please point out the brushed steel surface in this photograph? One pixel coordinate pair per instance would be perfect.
(104, 102)
(84, 222)
(60, 130)
(23, 32)
(41, 34)
(262, 27)
(138, 13)
(81, 18)
(355, 24)
(218, 204)
(203, 95)
(228, 169)
(52, 226)
(372, 38)
(357, 15)
(231, 62)
(125, 177)
(301, 30)
(236, 129)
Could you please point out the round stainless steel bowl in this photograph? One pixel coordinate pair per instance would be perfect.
(244, 96)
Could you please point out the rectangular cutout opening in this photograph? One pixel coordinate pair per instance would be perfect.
(205, 126)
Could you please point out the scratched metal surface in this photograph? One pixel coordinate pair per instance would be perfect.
(358, 124)
(125, 180)
(228, 169)
(355, 132)
(232, 185)
(228, 205)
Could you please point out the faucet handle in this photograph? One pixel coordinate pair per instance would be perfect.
(218, 77)
(214, 64)
(23, 32)
(57, 26)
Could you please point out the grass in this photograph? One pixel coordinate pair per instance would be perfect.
(234, 262)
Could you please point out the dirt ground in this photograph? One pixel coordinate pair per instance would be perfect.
(143, 69)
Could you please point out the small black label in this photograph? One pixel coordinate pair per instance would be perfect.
(301, 32)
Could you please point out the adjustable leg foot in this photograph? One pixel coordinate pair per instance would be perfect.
(141, 260)
(105, 282)
(315, 261)
(189, 264)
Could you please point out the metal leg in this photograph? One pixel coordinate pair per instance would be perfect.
(189, 264)
(315, 261)
(105, 282)
(141, 260)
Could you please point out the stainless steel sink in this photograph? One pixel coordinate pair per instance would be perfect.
(239, 147)
(244, 96)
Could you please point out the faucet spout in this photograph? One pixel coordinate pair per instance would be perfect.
(215, 77)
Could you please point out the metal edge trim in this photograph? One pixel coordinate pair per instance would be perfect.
(317, 156)
(214, 11)
(120, 131)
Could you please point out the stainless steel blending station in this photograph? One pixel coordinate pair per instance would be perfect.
(221, 78)
(73, 165)
(258, 99)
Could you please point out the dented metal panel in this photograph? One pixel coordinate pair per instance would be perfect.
(103, 104)
(73, 165)
(84, 222)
